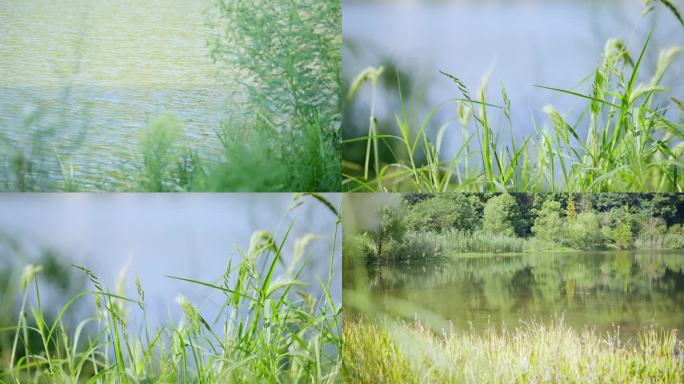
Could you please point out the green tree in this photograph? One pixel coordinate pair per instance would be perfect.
(585, 232)
(570, 209)
(501, 215)
(444, 211)
(548, 224)
(391, 231)
(622, 235)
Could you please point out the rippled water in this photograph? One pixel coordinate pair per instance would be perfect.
(629, 290)
(106, 69)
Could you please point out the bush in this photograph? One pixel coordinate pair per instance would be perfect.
(622, 236)
(361, 245)
(281, 61)
(674, 239)
(585, 232)
(159, 147)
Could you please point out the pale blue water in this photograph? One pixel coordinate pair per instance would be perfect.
(104, 70)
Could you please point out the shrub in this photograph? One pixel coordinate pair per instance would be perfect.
(585, 232)
(674, 239)
(159, 147)
(360, 245)
(281, 61)
(622, 236)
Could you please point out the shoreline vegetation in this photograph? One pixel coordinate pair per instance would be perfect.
(532, 352)
(402, 339)
(279, 128)
(436, 226)
(628, 137)
(268, 328)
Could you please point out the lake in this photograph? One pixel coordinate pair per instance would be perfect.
(106, 69)
(629, 290)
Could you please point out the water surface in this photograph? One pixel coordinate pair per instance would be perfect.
(106, 69)
(629, 290)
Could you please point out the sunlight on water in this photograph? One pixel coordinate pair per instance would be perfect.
(104, 70)
(119, 44)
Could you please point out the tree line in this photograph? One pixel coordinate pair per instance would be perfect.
(426, 225)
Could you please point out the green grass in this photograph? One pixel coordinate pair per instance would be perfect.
(531, 353)
(268, 329)
(631, 138)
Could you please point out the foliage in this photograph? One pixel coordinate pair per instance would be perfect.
(622, 235)
(548, 225)
(501, 215)
(267, 329)
(532, 352)
(282, 62)
(674, 239)
(570, 208)
(159, 149)
(442, 225)
(585, 232)
(628, 137)
(443, 212)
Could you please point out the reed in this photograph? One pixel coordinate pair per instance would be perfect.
(532, 352)
(627, 138)
(267, 329)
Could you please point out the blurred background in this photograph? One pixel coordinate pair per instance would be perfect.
(150, 236)
(516, 43)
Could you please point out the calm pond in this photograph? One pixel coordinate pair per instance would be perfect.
(631, 290)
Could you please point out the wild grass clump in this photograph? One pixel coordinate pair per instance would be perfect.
(627, 138)
(268, 329)
(33, 157)
(281, 62)
(480, 242)
(532, 352)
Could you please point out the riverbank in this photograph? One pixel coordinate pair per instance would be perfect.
(532, 352)
(431, 246)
